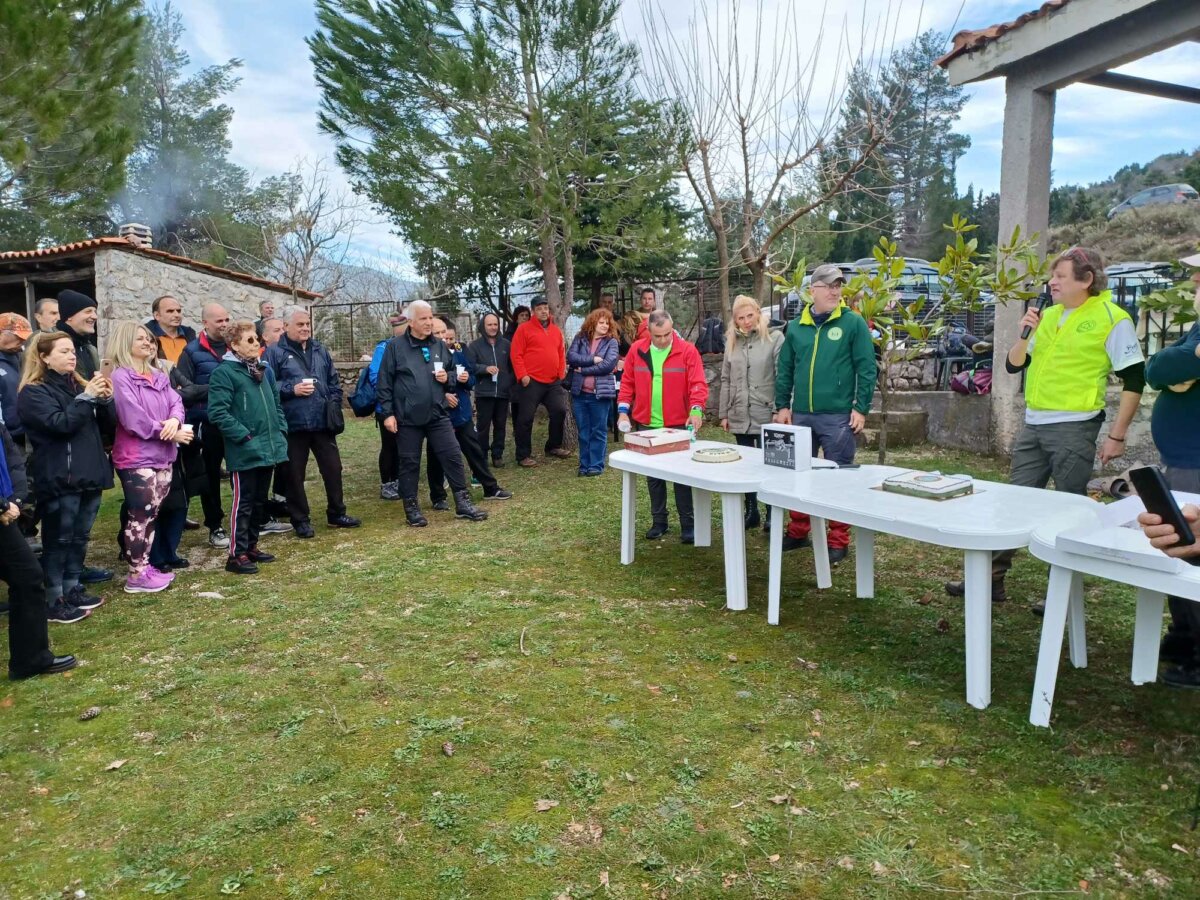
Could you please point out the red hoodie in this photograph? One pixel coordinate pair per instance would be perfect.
(539, 352)
(684, 384)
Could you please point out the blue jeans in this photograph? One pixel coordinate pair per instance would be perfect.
(591, 416)
(66, 525)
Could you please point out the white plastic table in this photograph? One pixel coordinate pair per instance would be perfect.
(730, 480)
(996, 517)
(1064, 601)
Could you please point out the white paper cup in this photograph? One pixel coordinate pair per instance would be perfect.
(459, 371)
(187, 428)
(308, 381)
(438, 366)
(624, 427)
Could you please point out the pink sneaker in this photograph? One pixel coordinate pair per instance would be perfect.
(150, 581)
(170, 576)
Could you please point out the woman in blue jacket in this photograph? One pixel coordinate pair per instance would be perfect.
(591, 361)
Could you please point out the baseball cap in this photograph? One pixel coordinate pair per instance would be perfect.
(540, 301)
(828, 274)
(1193, 261)
(18, 325)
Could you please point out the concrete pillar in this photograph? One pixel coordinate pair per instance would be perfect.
(1024, 201)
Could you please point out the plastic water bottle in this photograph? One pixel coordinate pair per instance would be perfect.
(691, 433)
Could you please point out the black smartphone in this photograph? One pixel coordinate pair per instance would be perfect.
(1152, 487)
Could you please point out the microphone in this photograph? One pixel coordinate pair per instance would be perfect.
(1044, 299)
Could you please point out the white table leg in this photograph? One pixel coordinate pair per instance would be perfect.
(1059, 597)
(1075, 627)
(775, 565)
(734, 529)
(864, 563)
(628, 516)
(978, 616)
(702, 502)
(820, 543)
(1147, 632)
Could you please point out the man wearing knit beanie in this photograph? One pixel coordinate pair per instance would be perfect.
(77, 320)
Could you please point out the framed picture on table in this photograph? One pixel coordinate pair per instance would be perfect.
(787, 447)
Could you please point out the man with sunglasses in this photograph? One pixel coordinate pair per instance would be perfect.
(825, 379)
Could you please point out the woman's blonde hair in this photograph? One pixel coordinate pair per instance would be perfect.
(35, 368)
(740, 303)
(120, 347)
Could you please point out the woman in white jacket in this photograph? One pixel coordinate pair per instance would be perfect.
(748, 381)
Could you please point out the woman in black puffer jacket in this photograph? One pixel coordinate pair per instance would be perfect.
(63, 416)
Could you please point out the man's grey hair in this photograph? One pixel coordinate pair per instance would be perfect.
(40, 307)
(291, 310)
(659, 317)
(262, 303)
(417, 306)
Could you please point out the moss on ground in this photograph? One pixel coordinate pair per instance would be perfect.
(291, 737)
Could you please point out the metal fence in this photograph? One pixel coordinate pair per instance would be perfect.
(350, 331)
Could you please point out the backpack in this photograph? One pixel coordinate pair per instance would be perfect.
(973, 381)
(363, 400)
(712, 336)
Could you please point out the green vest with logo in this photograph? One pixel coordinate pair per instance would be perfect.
(1070, 364)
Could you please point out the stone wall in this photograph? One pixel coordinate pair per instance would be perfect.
(913, 375)
(127, 283)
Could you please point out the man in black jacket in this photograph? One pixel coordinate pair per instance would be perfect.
(77, 320)
(493, 385)
(29, 651)
(414, 378)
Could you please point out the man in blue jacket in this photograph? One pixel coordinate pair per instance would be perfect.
(312, 404)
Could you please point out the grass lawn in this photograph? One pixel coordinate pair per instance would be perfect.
(381, 712)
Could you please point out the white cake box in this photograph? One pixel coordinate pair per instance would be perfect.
(658, 440)
(929, 485)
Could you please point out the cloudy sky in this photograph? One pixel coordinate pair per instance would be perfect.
(1097, 130)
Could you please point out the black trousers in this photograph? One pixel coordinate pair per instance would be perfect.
(535, 394)
(28, 640)
(212, 451)
(389, 462)
(658, 500)
(323, 445)
(442, 444)
(491, 416)
(251, 488)
(468, 442)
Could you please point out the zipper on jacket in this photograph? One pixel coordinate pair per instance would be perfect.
(812, 366)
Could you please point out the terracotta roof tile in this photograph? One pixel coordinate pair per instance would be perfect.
(119, 243)
(970, 41)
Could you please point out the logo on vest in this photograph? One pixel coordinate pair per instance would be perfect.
(1086, 325)
(834, 333)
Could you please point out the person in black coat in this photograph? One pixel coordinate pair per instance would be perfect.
(312, 404)
(494, 380)
(29, 651)
(63, 416)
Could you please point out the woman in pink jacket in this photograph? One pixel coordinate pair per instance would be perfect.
(149, 428)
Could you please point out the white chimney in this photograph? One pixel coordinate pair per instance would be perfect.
(136, 234)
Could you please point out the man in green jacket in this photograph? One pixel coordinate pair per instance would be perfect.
(825, 379)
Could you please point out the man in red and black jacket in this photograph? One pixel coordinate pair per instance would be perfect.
(539, 362)
(664, 387)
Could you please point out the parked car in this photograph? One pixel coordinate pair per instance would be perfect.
(1162, 195)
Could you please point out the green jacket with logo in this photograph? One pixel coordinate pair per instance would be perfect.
(249, 416)
(826, 369)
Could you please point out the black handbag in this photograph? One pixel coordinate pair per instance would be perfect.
(335, 419)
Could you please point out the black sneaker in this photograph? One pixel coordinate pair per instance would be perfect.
(687, 536)
(442, 505)
(241, 565)
(500, 494)
(304, 530)
(344, 521)
(655, 531)
(91, 575)
(795, 543)
(63, 613)
(81, 599)
(1182, 677)
(259, 556)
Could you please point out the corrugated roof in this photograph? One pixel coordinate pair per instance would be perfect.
(970, 41)
(80, 248)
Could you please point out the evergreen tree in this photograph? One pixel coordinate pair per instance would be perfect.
(64, 67)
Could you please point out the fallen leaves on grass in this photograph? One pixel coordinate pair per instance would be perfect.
(926, 599)
(448, 748)
(943, 626)
(846, 863)
(604, 878)
(779, 799)
(544, 805)
(115, 764)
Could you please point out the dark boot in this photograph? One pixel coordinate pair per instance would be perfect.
(412, 512)
(465, 509)
(752, 520)
(999, 594)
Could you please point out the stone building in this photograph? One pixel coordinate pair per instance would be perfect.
(125, 277)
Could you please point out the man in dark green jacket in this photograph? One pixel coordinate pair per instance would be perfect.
(825, 378)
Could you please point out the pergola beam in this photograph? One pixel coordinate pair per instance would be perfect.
(1146, 86)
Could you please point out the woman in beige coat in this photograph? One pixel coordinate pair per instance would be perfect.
(748, 381)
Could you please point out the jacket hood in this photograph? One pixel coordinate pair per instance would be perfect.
(479, 332)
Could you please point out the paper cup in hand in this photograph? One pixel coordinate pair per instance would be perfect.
(438, 366)
(186, 429)
(308, 381)
(460, 371)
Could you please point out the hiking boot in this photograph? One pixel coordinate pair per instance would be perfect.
(441, 505)
(150, 581)
(752, 519)
(389, 490)
(217, 538)
(412, 512)
(837, 554)
(260, 556)
(465, 509)
(241, 565)
(999, 594)
(687, 535)
(63, 613)
(656, 530)
(81, 599)
(274, 526)
(795, 543)
(304, 530)
(1187, 676)
(344, 521)
(90, 575)
(499, 494)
